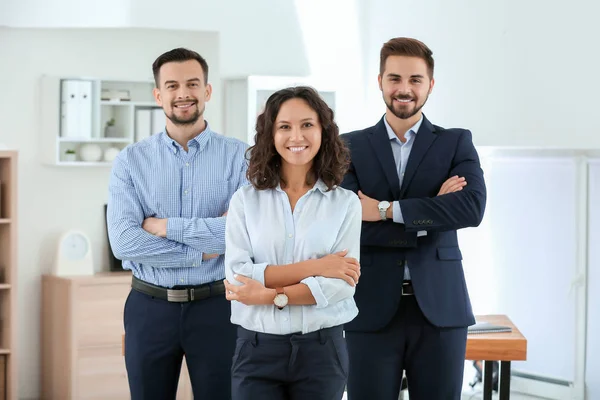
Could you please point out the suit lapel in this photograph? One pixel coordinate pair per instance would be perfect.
(383, 149)
(424, 138)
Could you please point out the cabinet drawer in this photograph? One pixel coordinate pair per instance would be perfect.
(101, 374)
(99, 314)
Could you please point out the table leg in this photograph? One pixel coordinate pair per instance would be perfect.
(504, 380)
(488, 370)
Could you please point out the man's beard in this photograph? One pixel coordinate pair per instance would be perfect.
(191, 120)
(407, 112)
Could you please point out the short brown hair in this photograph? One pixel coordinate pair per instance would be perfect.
(409, 47)
(331, 161)
(179, 54)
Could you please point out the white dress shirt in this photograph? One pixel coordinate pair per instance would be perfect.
(262, 230)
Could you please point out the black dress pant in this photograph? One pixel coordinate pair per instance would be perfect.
(159, 333)
(432, 357)
(293, 367)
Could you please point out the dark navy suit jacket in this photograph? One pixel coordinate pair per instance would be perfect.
(434, 260)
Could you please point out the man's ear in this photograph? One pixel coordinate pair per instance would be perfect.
(208, 92)
(157, 96)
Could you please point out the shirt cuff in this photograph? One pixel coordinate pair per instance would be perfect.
(193, 257)
(175, 229)
(398, 217)
(258, 272)
(316, 291)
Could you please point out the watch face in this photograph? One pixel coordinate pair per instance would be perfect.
(281, 300)
(75, 247)
(384, 205)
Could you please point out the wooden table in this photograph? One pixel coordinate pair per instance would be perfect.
(503, 346)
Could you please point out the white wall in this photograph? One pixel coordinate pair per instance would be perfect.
(52, 199)
(257, 37)
(518, 73)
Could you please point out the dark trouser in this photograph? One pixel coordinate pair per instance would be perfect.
(159, 333)
(296, 367)
(432, 357)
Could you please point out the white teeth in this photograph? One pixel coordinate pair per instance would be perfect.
(404, 100)
(296, 149)
(184, 105)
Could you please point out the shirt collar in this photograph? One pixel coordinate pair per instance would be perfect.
(199, 140)
(319, 185)
(412, 131)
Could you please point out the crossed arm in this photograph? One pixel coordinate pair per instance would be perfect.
(456, 206)
(174, 242)
(319, 282)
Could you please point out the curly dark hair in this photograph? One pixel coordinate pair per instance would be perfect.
(331, 161)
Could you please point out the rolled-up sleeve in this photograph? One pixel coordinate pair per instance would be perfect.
(239, 256)
(327, 291)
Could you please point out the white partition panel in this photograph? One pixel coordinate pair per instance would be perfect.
(592, 373)
(522, 260)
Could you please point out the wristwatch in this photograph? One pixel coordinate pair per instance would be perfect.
(280, 299)
(383, 206)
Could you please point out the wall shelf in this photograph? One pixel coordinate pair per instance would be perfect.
(75, 115)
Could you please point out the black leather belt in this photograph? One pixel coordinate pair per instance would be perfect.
(183, 295)
(407, 289)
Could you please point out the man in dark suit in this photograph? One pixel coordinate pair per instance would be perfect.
(418, 184)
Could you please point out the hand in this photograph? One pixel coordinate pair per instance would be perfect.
(337, 265)
(225, 214)
(370, 207)
(155, 226)
(453, 184)
(206, 256)
(250, 293)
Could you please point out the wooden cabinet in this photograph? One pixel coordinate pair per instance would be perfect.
(8, 274)
(82, 330)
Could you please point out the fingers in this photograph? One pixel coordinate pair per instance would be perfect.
(361, 195)
(341, 253)
(355, 268)
(242, 278)
(230, 290)
(455, 187)
(452, 184)
(349, 280)
(351, 260)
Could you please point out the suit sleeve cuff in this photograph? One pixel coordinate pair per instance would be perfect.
(398, 217)
(315, 290)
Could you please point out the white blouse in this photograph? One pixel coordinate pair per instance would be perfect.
(261, 230)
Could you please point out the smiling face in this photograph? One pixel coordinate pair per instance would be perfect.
(405, 85)
(182, 92)
(297, 134)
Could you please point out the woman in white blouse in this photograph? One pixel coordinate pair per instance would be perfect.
(291, 261)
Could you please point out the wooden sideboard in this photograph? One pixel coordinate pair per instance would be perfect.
(82, 327)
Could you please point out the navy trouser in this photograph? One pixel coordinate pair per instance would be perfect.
(433, 358)
(296, 367)
(157, 335)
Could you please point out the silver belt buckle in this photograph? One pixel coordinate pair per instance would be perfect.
(177, 295)
(405, 294)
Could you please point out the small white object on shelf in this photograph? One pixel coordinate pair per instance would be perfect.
(111, 153)
(74, 255)
(90, 152)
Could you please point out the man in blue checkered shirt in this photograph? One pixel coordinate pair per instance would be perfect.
(168, 200)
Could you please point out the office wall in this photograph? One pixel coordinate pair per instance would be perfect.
(53, 199)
